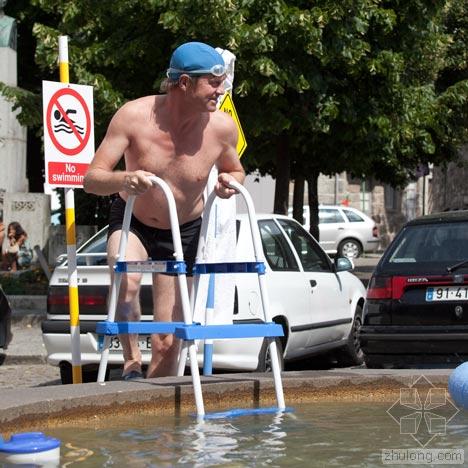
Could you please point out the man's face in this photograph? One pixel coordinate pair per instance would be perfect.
(206, 91)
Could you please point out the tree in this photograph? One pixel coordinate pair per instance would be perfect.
(339, 85)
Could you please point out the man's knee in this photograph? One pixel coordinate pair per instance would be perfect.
(130, 287)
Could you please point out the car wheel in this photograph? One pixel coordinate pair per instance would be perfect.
(88, 373)
(349, 248)
(352, 354)
(264, 358)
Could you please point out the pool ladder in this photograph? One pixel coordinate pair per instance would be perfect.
(187, 330)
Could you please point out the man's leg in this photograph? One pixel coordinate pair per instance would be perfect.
(167, 308)
(128, 304)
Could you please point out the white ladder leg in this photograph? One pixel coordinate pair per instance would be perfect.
(260, 257)
(110, 317)
(115, 287)
(275, 367)
(182, 359)
(183, 288)
(184, 348)
(192, 349)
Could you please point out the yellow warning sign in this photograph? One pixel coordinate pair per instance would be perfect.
(227, 105)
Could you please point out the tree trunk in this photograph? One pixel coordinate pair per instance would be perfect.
(282, 175)
(298, 199)
(312, 182)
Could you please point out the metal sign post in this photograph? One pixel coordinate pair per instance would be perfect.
(71, 244)
(68, 151)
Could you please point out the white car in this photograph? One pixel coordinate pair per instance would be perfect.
(318, 303)
(344, 231)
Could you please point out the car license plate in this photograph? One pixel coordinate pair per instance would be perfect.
(144, 343)
(448, 293)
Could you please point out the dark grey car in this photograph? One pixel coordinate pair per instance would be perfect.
(5, 321)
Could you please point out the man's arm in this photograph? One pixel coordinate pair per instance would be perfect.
(101, 179)
(228, 164)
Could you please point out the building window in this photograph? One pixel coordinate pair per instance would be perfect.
(390, 195)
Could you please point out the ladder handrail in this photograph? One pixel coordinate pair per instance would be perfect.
(182, 281)
(189, 345)
(259, 257)
(256, 239)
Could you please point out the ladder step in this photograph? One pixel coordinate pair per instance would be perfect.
(203, 332)
(116, 328)
(229, 267)
(151, 266)
(237, 412)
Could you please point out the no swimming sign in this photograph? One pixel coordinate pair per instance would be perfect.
(68, 132)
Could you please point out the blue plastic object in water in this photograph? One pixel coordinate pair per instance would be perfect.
(458, 385)
(235, 413)
(28, 442)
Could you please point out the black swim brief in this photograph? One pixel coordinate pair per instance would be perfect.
(158, 242)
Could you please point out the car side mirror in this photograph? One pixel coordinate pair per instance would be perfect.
(343, 264)
(60, 258)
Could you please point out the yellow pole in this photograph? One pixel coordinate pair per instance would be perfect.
(71, 244)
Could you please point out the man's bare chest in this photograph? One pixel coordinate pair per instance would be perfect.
(189, 159)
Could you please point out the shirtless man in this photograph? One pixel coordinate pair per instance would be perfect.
(178, 137)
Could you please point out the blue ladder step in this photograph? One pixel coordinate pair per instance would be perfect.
(237, 412)
(116, 328)
(203, 332)
(229, 267)
(151, 266)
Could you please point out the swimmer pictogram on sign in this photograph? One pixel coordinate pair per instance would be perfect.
(62, 124)
(68, 132)
(69, 135)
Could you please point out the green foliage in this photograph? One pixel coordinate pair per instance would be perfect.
(26, 103)
(32, 281)
(373, 87)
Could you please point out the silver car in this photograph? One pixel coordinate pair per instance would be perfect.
(344, 231)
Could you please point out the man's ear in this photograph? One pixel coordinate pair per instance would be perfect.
(184, 82)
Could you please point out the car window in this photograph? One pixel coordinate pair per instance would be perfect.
(353, 217)
(431, 243)
(330, 215)
(94, 252)
(312, 256)
(277, 251)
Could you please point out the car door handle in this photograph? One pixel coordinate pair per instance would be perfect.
(340, 229)
(313, 283)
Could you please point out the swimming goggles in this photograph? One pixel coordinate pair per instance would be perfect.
(216, 70)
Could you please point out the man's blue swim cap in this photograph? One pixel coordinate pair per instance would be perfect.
(195, 58)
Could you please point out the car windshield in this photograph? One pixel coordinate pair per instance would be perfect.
(431, 243)
(93, 252)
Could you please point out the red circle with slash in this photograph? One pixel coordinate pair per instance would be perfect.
(82, 140)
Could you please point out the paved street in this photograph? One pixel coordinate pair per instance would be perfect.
(23, 364)
(364, 266)
(25, 359)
